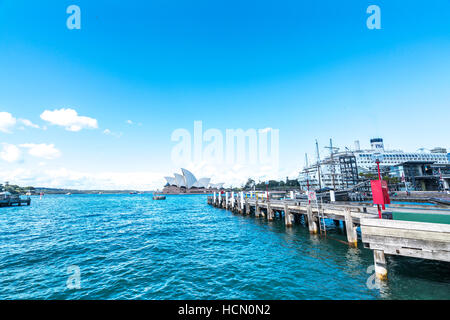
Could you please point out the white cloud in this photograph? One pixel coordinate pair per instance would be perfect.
(265, 130)
(70, 179)
(28, 123)
(10, 153)
(45, 151)
(110, 133)
(69, 119)
(129, 122)
(7, 121)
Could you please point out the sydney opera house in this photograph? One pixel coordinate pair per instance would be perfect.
(188, 183)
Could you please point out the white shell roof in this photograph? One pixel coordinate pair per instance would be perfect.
(203, 182)
(180, 180)
(171, 181)
(189, 178)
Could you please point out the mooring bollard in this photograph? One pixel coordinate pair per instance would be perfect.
(380, 264)
(312, 225)
(352, 236)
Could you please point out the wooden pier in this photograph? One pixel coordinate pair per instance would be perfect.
(384, 236)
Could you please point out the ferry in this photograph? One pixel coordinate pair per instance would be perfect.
(8, 200)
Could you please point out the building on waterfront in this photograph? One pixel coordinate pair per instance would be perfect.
(337, 172)
(188, 183)
(341, 170)
(422, 175)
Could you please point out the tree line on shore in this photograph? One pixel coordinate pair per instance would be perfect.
(15, 189)
(251, 184)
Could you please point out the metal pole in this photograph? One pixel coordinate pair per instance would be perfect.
(379, 178)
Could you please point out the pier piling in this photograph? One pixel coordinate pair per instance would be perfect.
(312, 224)
(257, 208)
(380, 264)
(269, 212)
(424, 240)
(288, 217)
(352, 236)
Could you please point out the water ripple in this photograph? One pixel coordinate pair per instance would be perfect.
(130, 247)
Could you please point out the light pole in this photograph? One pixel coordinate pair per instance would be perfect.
(378, 158)
(377, 161)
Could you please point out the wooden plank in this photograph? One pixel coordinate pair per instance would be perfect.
(423, 254)
(406, 233)
(410, 225)
(406, 243)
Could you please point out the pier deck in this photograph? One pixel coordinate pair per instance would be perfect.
(384, 236)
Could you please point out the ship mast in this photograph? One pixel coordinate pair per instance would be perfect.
(318, 165)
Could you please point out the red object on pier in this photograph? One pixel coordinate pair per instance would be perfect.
(380, 192)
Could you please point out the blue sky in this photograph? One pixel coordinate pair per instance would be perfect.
(311, 69)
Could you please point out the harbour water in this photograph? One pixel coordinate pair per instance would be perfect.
(132, 247)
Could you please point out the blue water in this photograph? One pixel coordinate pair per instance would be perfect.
(131, 247)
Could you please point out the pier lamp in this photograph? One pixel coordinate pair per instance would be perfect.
(377, 158)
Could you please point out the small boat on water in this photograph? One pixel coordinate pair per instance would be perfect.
(159, 197)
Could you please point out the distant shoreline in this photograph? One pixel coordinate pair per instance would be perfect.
(38, 191)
